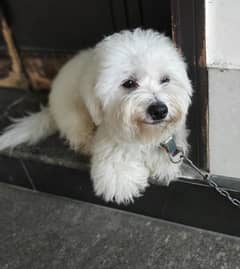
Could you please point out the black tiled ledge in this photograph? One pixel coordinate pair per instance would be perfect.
(51, 167)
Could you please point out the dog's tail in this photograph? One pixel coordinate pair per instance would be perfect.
(29, 129)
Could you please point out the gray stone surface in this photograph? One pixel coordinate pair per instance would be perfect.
(43, 231)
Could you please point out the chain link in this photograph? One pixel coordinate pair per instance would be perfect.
(176, 155)
(223, 192)
(207, 177)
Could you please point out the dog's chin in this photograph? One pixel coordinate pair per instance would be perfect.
(151, 132)
(154, 122)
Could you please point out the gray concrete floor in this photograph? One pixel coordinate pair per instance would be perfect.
(44, 231)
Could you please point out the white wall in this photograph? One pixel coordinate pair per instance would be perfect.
(223, 60)
(224, 113)
(223, 33)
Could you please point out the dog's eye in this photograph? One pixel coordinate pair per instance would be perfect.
(130, 84)
(165, 79)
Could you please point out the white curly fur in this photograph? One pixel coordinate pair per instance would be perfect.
(97, 115)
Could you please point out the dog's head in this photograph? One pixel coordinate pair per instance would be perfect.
(142, 85)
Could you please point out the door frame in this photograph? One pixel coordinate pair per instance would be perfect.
(188, 32)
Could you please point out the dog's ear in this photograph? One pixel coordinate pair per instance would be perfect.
(95, 109)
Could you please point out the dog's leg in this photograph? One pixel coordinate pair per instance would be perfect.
(117, 170)
(76, 126)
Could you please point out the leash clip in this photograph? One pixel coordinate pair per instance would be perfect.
(175, 154)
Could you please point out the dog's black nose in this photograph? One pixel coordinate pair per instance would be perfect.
(157, 111)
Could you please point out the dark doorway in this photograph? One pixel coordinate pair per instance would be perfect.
(48, 32)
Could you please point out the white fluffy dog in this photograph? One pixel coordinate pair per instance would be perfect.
(117, 101)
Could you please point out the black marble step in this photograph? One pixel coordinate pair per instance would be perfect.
(51, 167)
(38, 230)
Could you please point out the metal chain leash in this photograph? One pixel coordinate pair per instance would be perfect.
(176, 155)
(207, 177)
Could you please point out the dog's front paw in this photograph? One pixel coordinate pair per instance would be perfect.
(121, 184)
(121, 192)
(118, 171)
(160, 181)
